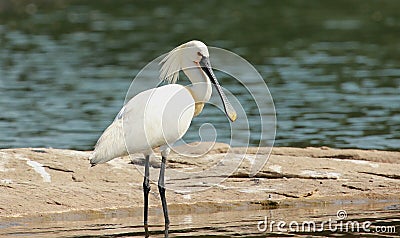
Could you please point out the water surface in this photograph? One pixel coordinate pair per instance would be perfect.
(332, 67)
(242, 220)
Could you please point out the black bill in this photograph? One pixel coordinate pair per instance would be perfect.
(229, 110)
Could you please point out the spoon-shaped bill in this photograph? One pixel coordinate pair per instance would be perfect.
(229, 110)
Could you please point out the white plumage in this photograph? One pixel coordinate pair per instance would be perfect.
(162, 115)
(147, 122)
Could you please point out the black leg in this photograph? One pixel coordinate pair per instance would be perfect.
(146, 190)
(161, 189)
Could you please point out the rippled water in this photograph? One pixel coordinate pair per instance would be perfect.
(242, 220)
(332, 67)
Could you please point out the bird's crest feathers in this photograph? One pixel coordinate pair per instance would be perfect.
(171, 65)
(172, 62)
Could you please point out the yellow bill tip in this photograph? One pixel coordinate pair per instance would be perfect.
(232, 116)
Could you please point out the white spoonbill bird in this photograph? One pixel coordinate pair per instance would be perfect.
(160, 116)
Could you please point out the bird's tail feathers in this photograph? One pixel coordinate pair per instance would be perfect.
(110, 145)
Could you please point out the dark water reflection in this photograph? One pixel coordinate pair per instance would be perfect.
(332, 67)
(240, 221)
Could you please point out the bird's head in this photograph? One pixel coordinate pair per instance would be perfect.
(194, 51)
(185, 56)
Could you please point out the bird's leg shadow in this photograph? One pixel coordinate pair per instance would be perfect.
(146, 190)
(161, 189)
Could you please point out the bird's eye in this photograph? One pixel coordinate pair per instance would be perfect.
(199, 54)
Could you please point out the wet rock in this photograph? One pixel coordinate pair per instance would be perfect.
(47, 180)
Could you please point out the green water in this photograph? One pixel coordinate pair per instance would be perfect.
(332, 67)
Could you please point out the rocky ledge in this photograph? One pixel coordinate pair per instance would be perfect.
(46, 180)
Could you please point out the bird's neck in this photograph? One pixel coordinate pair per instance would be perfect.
(200, 88)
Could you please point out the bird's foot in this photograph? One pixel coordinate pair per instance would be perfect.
(146, 230)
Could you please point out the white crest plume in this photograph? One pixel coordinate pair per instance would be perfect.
(171, 65)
